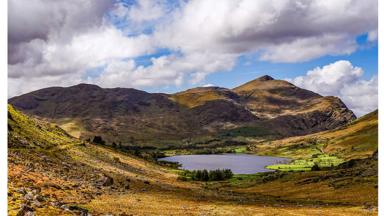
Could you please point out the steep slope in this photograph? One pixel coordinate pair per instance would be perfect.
(138, 118)
(199, 96)
(356, 140)
(270, 98)
(25, 132)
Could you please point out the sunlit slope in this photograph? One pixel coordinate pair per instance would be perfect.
(31, 133)
(359, 139)
(199, 96)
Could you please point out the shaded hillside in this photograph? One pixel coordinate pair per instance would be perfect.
(356, 140)
(135, 117)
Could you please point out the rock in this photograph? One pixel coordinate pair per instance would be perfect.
(106, 181)
(28, 196)
(39, 198)
(21, 191)
(36, 190)
(55, 204)
(25, 210)
(37, 204)
(146, 182)
(64, 207)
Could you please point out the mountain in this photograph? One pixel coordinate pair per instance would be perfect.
(355, 140)
(134, 117)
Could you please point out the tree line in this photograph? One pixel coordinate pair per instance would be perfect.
(207, 175)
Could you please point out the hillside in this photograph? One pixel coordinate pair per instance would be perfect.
(138, 118)
(356, 140)
(51, 173)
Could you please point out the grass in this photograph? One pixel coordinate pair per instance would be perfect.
(205, 150)
(254, 131)
(322, 161)
(33, 133)
(359, 139)
(242, 149)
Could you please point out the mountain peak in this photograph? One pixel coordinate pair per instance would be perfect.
(86, 85)
(265, 78)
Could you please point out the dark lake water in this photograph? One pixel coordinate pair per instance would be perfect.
(238, 163)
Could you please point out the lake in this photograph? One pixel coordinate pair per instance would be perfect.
(238, 163)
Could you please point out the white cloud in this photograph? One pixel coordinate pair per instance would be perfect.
(304, 49)
(56, 39)
(282, 31)
(208, 85)
(146, 10)
(164, 71)
(344, 80)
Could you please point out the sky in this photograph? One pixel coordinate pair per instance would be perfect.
(326, 46)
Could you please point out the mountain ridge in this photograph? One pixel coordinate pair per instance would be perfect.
(126, 114)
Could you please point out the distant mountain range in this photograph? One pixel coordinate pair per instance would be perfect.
(124, 115)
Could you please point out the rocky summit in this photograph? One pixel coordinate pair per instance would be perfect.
(129, 116)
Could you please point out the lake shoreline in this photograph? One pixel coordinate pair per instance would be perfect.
(239, 163)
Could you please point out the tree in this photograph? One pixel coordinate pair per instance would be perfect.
(197, 175)
(204, 175)
(228, 174)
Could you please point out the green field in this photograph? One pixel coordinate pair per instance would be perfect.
(321, 160)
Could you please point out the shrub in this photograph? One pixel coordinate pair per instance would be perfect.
(315, 168)
(116, 159)
(98, 140)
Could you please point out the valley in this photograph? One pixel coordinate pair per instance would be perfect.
(98, 153)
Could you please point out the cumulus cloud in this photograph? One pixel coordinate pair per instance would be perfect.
(344, 80)
(164, 71)
(282, 31)
(61, 40)
(55, 41)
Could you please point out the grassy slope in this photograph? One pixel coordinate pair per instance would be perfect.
(199, 96)
(66, 174)
(357, 140)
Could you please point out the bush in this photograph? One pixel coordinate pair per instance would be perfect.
(315, 168)
(98, 140)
